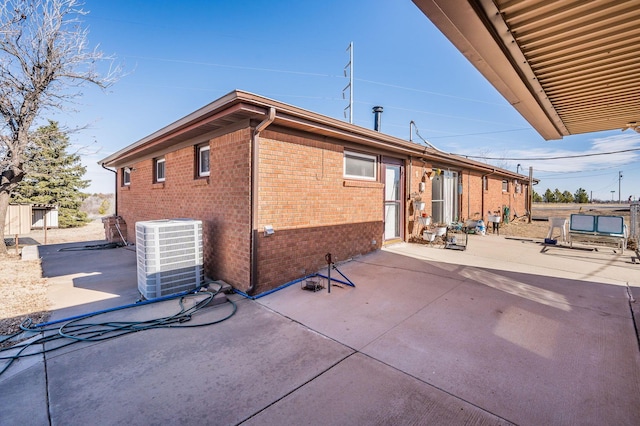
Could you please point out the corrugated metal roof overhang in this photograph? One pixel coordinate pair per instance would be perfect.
(568, 67)
(238, 106)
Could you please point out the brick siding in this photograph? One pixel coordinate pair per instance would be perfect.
(302, 194)
(221, 201)
(311, 207)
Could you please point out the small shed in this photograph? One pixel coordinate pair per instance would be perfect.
(44, 215)
(18, 219)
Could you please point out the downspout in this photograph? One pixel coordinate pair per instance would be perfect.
(253, 279)
(115, 194)
(482, 183)
(469, 193)
(408, 198)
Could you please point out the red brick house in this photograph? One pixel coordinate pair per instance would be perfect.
(277, 187)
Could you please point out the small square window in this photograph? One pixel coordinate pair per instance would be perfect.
(159, 170)
(126, 176)
(203, 160)
(359, 166)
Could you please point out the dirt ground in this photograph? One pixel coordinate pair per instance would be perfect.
(23, 290)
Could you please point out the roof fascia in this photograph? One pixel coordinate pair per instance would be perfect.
(288, 116)
(180, 125)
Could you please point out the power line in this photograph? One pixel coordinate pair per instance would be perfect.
(481, 133)
(395, 86)
(563, 157)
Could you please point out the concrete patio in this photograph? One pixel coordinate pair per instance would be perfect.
(505, 332)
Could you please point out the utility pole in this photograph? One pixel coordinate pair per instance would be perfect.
(619, 180)
(350, 85)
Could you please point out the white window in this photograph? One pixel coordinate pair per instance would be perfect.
(505, 185)
(360, 166)
(126, 176)
(160, 170)
(203, 160)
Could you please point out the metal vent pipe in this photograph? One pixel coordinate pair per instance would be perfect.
(377, 120)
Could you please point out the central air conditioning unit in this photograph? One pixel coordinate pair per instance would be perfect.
(169, 256)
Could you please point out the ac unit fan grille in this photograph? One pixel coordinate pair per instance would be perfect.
(169, 256)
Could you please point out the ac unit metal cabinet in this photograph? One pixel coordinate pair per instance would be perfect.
(169, 256)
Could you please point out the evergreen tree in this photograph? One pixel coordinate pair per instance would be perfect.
(53, 176)
(567, 197)
(102, 210)
(557, 196)
(581, 196)
(549, 196)
(537, 198)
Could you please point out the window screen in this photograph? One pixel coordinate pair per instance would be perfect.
(203, 161)
(160, 175)
(361, 166)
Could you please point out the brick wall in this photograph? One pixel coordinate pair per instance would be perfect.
(415, 174)
(221, 201)
(302, 194)
(312, 208)
(496, 198)
(472, 198)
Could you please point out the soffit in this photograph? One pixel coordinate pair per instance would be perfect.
(569, 67)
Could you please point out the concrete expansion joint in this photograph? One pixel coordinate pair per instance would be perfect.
(46, 386)
(436, 387)
(300, 386)
(633, 307)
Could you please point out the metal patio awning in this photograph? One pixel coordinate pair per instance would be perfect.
(569, 67)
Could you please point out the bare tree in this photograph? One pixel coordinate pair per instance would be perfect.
(44, 62)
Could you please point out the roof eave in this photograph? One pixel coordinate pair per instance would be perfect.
(488, 47)
(292, 117)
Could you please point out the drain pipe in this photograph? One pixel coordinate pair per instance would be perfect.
(115, 193)
(253, 279)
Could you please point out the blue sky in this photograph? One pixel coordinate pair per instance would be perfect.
(179, 56)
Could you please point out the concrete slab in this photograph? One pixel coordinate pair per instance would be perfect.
(220, 374)
(529, 347)
(501, 332)
(517, 255)
(23, 396)
(525, 360)
(389, 288)
(29, 253)
(363, 391)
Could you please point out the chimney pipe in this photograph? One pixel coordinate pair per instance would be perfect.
(377, 121)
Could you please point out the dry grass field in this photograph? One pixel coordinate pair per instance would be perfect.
(538, 229)
(23, 291)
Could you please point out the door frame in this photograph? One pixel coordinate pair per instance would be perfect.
(453, 198)
(397, 162)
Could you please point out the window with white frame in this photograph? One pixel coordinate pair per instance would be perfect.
(160, 169)
(505, 185)
(126, 176)
(202, 158)
(360, 166)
